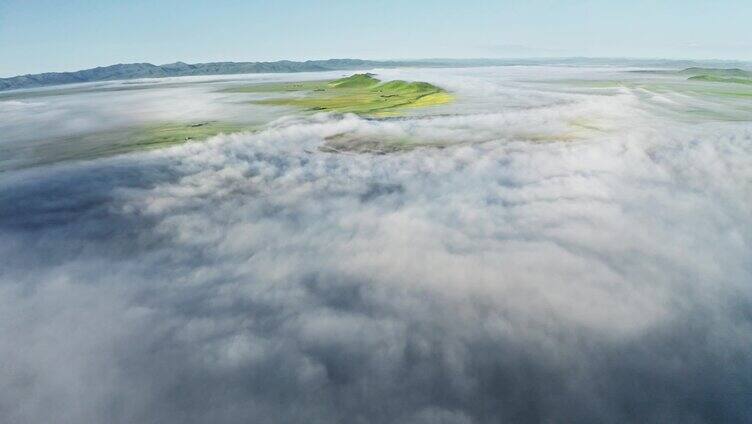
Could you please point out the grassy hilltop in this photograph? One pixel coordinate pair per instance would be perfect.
(360, 93)
(733, 75)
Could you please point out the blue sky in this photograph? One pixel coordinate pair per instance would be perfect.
(37, 36)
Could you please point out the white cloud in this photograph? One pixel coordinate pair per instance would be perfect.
(255, 277)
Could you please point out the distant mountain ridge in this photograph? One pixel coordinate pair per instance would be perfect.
(178, 69)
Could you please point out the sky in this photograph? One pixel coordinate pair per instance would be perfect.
(38, 36)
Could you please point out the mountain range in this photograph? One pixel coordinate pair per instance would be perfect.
(177, 69)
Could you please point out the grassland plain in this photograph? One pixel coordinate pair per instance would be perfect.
(114, 142)
(361, 94)
(731, 76)
(713, 78)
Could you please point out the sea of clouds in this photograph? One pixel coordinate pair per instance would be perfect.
(505, 277)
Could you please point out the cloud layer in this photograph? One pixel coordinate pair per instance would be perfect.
(507, 277)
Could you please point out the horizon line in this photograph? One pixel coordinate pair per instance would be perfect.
(427, 59)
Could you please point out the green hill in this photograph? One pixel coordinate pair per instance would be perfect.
(355, 81)
(713, 78)
(360, 93)
(718, 72)
(732, 75)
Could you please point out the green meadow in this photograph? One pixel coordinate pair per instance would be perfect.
(731, 76)
(114, 142)
(713, 78)
(163, 135)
